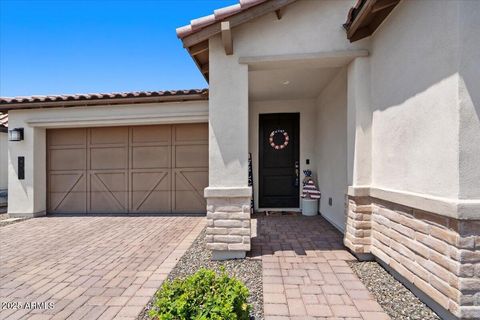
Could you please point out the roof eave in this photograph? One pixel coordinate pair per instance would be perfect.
(204, 34)
(367, 16)
(4, 107)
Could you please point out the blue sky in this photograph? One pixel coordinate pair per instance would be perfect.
(55, 47)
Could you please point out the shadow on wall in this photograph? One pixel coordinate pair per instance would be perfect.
(406, 61)
(417, 59)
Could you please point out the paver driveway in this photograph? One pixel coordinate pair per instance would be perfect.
(99, 267)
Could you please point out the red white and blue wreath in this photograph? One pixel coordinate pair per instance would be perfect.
(273, 135)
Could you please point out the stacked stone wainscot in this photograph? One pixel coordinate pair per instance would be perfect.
(438, 255)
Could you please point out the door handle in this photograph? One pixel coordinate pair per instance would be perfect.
(297, 173)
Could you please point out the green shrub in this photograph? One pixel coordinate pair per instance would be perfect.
(203, 295)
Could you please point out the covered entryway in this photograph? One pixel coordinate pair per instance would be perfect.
(136, 169)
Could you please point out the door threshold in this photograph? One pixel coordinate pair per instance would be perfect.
(278, 209)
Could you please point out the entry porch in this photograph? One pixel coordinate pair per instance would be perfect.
(290, 114)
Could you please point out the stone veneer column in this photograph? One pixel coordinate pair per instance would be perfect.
(438, 255)
(228, 222)
(359, 226)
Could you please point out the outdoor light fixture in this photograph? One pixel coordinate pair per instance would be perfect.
(15, 134)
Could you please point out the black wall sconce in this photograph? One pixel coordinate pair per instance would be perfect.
(15, 134)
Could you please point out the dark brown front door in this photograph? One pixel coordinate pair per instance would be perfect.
(279, 146)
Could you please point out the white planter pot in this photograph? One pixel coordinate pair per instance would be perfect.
(309, 207)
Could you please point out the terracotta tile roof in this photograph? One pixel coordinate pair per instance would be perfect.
(6, 103)
(3, 122)
(218, 15)
(97, 96)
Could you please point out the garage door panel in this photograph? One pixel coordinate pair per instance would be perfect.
(151, 180)
(73, 202)
(188, 195)
(67, 182)
(109, 135)
(67, 192)
(151, 202)
(152, 134)
(196, 133)
(191, 156)
(108, 202)
(67, 137)
(108, 181)
(108, 158)
(149, 157)
(188, 202)
(191, 179)
(151, 191)
(67, 159)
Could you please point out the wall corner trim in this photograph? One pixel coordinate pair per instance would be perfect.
(461, 209)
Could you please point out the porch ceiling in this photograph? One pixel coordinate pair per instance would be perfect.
(289, 83)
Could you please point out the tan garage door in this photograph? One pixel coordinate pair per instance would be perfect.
(140, 169)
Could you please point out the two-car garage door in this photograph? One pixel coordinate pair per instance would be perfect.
(138, 169)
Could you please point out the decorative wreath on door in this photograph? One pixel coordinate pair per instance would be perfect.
(278, 139)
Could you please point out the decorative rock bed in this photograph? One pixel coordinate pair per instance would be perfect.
(248, 270)
(5, 220)
(397, 301)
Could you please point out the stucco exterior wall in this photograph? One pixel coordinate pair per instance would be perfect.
(469, 99)
(28, 197)
(331, 149)
(228, 120)
(306, 27)
(414, 83)
(421, 213)
(3, 160)
(307, 110)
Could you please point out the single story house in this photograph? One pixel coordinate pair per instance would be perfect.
(380, 99)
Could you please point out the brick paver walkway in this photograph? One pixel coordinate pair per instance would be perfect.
(100, 267)
(305, 274)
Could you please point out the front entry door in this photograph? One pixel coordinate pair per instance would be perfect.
(279, 160)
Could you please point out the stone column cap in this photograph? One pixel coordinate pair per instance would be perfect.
(228, 192)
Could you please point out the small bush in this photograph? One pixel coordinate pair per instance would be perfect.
(203, 295)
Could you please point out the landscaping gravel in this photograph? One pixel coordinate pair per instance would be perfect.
(5, 220)
(397, 301)
(248, 270)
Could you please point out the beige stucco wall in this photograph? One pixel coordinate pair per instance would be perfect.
(306, 27)
(359, 125)
(415, 99)
(331, 148)
(469, 99)
(28, 196)
(413, 123)
(228, 119)
(425, 111)
(3, 160)
(308, 125)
